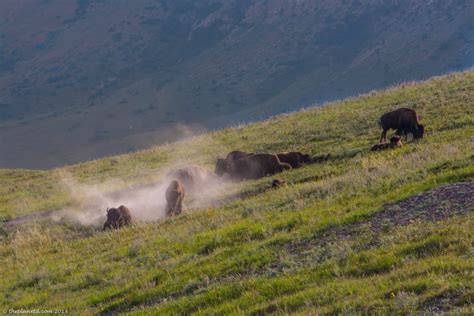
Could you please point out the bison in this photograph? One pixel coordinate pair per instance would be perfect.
(174, 198)
(222, 164)
(256, 166)
(395, 141)
(190, 176)
(404, 121)
(279, 183)
(294, 158)
(117, 217)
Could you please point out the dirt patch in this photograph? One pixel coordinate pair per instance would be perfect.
(446, 300)
(31, 217)
(434, 205)
(430, 206)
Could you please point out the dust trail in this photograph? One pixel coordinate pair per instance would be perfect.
(146, 203)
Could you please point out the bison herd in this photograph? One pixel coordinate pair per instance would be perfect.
(239, 165)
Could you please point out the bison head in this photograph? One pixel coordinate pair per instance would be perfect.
(306, 159)
(395, 139)
(418, 132)
(221, 167)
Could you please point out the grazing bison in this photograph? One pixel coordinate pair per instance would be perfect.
(294, 158)
(222, 164)
(404, 121)
(174, 198)
(256, 166)
(117, 217)
(395, 141)
(190, 176)
(279, 183)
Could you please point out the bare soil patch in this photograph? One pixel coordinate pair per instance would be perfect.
(430, 206)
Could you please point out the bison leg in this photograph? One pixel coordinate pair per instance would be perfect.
(178, 207)
(383, 136)
(122, 222)
(169, 210)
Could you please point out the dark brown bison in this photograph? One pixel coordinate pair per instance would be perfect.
(294, 158)
(190, 176)
(117, 217)
(222, 164)
(237, 154)
(276, 183)
(256, 166)
(404, 121)
(174, 198)
(395, 141)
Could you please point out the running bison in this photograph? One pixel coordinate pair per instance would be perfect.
(117, 217)
(395, 141)
(404, 121)
(174, 198)
(295, 159)
(222, 164)
(256, 166)
(190, 176)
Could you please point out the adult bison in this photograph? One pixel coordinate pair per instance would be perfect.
(294, 158)
(404, 121)
(190, 176)
(174, 198)
(256, 166)
(117, 217)
(222, 164)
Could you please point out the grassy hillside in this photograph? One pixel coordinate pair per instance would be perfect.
(87, 78)
(362, 232)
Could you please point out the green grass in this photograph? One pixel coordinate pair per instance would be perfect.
(248, 256)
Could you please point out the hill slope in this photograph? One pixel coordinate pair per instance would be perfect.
(85, 79)
(362, 232)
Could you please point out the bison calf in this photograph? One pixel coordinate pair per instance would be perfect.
(276, 183)
(395, 141)
(174, 198)
(117, 217)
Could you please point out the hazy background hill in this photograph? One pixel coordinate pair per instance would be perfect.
(87, 78)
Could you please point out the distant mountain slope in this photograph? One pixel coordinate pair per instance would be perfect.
(84, 79)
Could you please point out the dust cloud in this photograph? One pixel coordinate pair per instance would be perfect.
(146, 202)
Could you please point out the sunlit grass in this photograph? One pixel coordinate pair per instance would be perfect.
(238, 257)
